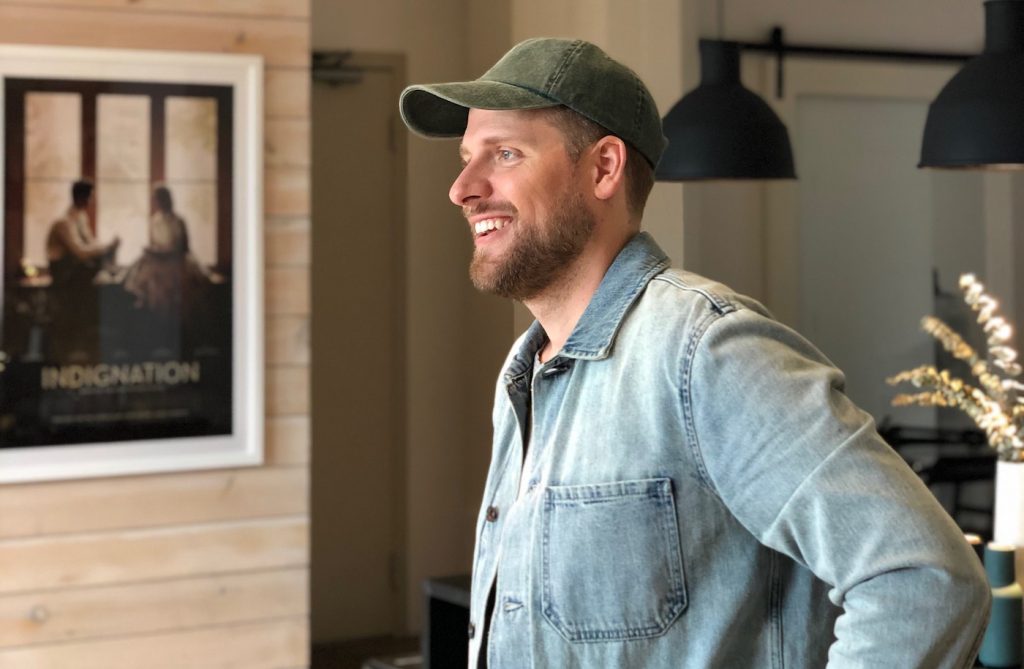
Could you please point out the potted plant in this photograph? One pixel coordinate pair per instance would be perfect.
(995, 402)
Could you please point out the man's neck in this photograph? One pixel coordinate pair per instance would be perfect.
(558, 308)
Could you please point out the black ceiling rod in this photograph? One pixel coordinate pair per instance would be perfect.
(777, 45)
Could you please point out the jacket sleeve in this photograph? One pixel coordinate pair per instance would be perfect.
(805, 471)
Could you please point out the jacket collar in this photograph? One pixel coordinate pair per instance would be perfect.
(640, 260)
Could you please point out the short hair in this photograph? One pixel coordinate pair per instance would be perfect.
(81, 191)
(162, 195)
(580, 132)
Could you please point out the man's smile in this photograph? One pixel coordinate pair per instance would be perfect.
(486, 226)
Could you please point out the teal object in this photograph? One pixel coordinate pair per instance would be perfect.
(1001, 646)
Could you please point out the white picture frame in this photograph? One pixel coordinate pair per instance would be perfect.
(77, 430)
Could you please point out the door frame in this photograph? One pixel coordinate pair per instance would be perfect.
(356, 63)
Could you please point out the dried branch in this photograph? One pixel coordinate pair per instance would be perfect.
(997, 406)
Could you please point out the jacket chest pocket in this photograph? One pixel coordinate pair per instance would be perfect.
(611, 563)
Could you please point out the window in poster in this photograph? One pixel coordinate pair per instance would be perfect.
(132, 336)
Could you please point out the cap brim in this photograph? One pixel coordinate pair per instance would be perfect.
(441, 110)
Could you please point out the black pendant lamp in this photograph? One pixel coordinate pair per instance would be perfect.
(977, 120)
(721, 130)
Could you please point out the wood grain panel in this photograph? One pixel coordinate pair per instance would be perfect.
(264, 645)
(286, 191)
(287, 391)
(150, 501)
(193, 569)
(287, 340)
(279, 42)
(286, 92)
(68, 615)
(286, 143)
(287, 291)
(264, 8)
(142, 555)
(287, 241)
(288, 440)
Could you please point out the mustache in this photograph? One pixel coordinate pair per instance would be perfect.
(504, 208)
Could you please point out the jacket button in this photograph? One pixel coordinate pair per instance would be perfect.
(492, 514)
(471, 630)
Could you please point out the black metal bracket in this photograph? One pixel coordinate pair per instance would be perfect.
(332, 67)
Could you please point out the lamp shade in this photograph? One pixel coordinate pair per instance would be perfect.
(721, 130)
(977, 120)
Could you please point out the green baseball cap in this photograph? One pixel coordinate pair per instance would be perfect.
(544, 72)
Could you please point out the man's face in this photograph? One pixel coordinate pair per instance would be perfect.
(523, 198)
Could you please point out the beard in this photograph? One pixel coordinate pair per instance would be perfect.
(540, 253)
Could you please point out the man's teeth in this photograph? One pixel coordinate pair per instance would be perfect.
(489, 224)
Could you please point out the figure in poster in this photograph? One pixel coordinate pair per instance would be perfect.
(168, 284)
(167, 276)
(75, 256)
(73, 253)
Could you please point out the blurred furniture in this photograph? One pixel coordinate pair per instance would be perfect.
(396, 662)
(445, 645)
(951, 462)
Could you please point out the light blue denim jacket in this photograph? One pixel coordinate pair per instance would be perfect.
(698, 492)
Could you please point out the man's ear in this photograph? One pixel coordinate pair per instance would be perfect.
(609, 159)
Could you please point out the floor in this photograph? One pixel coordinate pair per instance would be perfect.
(391, 651)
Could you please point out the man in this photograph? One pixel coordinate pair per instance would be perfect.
(72, 251)
(677, 480)
(75, 256)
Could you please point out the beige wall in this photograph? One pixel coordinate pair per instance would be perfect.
(193, 568)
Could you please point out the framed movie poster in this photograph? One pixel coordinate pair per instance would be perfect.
(132, 335)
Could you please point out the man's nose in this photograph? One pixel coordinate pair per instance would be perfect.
(470, 185)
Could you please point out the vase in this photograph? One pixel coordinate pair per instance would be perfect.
(1009, 505)
(1001, 646)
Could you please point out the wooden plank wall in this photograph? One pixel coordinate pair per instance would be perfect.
(194, 569)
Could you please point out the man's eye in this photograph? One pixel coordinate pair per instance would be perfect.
(506, 154)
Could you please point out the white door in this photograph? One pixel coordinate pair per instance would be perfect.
(865, 244)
